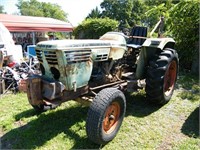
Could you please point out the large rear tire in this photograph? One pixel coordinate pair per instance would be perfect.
(161, 76)
(105, 115)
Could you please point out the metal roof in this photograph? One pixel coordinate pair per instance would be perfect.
(16, 23)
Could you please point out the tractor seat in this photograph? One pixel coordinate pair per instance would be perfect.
(137, 37)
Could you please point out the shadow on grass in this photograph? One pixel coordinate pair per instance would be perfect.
(188, 87)
(191, 125)
(138, 106)
(27, 114)
(47, 126)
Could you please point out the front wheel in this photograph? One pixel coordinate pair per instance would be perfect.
(105, 115)
(161, 76)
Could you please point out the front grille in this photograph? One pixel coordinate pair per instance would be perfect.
(39, 55)
(51, 57)
(74, 56)
(102, 57)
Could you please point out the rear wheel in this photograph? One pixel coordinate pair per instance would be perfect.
(161, 76)
(105, 115)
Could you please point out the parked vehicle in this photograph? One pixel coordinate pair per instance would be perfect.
(99, 71)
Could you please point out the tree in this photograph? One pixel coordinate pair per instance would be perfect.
(41, 9)
(1, 9)
(54, 11)
(30, 8)
(184, 27)
(95, 13)
(111, 10)
(138, 13)
(156, 10)
(93, 28)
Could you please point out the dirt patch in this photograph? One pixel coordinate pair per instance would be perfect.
(19, 123)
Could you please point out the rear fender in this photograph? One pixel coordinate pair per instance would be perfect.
(149, 49)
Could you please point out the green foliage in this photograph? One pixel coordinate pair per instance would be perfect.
(94, 28)
(41, 9)
(1, 9)
(184, 27)
(111, 10)
(95, 13)
(154, 14)
(190, 87)
(54, 11)
(138, 12)
(30, 8)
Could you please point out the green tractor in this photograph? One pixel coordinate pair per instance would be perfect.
(99, 71)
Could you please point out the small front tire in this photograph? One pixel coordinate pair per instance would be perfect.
(105, 115)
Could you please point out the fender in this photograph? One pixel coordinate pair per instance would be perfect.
(149, 48)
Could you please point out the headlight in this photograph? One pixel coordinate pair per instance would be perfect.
(55, 72)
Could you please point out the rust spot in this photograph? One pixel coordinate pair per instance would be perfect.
(89, 63)
(34, 89)
(70, 69)
(114, 50)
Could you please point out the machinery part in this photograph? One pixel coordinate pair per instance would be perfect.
(45, 106)
(161, 76)
(38, 108)
(2, 86)
(105, 115)
(35, 98)
(1, 58)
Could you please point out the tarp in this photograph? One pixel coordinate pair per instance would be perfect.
(16, 23)
(9, 49)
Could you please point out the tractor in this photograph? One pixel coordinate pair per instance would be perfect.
(99, 71)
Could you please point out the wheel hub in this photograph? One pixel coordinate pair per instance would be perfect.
(111, 117)
(170, 78)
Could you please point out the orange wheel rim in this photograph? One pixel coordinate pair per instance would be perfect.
(170, 78)
(111, 117)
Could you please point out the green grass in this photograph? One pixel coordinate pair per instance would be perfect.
(145, 126)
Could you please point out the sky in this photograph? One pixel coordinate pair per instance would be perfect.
(77, 10)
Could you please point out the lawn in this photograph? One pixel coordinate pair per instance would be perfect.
(145, 126)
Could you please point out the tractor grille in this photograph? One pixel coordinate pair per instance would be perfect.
(74, 56)
(39, 55)
(102, 57)
(49, 55)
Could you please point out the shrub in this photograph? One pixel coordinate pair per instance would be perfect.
(94, 28)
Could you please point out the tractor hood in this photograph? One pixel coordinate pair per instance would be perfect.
(71, 61)
(69, 44)
(111, 44)
(110, 39)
